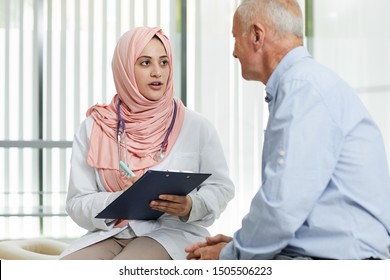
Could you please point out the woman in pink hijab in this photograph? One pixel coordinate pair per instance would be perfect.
(144, 127)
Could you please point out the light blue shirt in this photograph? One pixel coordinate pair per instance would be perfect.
(325, 180)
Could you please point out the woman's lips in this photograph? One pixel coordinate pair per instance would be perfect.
(155, 85)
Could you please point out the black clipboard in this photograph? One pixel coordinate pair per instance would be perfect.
(133, 204)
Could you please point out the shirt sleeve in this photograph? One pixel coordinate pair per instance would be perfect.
(301, 146)
(85, 199)
(214, 194)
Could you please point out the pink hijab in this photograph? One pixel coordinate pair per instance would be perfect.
(146, 121)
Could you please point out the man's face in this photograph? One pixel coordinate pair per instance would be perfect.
(242, 49)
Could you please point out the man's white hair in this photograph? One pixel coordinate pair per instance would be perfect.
(283, 16)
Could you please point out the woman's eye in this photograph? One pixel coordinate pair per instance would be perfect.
(145, 62)
(164, 62)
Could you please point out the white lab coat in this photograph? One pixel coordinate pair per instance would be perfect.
(197, 149)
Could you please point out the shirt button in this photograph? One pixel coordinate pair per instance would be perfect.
(282, 153)
(280, 161)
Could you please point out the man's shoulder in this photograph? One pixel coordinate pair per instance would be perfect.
(312, 73)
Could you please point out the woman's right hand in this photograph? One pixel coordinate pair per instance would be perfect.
(131, 180)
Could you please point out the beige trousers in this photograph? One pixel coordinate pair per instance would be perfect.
(138, 248)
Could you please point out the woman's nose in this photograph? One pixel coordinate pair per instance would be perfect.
(155, 72)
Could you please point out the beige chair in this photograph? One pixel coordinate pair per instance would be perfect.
(31, 249)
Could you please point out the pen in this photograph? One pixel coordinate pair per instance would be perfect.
(126, 168)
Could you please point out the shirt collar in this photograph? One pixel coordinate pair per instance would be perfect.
(287, 61)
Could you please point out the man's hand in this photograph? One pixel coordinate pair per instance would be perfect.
(218, 238)
(209, 250)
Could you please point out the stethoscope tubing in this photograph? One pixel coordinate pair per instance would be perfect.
(122, 126)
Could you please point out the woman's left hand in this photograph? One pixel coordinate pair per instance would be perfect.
(176, 205)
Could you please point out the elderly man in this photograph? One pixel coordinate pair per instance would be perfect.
(325, 178)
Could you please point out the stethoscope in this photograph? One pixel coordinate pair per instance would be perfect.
(121, 130)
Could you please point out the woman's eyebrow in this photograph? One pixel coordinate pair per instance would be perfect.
(146, 56)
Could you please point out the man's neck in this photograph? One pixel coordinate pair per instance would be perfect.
(275, 50)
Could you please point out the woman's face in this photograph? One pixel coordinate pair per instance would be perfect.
(151, 70)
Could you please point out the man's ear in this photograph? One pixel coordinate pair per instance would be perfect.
(258, 35)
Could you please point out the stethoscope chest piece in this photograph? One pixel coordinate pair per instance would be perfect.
(159, 156)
